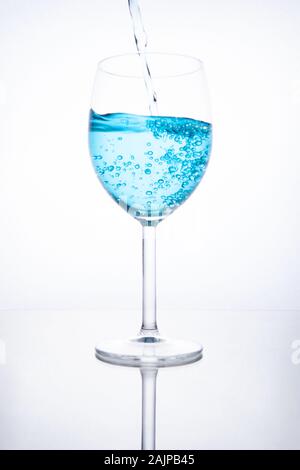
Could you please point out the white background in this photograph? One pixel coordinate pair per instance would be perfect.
(65, 244)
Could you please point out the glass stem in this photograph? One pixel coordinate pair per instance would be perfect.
(149, 326)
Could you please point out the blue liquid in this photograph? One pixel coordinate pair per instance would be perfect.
(149, 165)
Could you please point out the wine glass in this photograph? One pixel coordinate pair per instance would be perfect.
(150, 165)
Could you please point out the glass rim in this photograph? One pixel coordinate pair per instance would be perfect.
(199, 65)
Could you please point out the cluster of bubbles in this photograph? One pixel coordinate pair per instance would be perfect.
(155, 170)
(186, 159)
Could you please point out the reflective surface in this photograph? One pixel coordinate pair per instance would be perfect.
(244, 393)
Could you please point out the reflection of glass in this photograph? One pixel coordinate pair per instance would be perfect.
(148, 402)
(150, 165)
(148, 408)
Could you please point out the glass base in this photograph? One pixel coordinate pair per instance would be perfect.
(150, 351)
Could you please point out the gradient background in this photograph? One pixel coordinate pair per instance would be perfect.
(234, 244)
(64, 245)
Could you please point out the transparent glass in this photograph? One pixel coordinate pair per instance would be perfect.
(148, 435)
(150, 165)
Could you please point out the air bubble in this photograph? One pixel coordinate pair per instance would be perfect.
(172, 169)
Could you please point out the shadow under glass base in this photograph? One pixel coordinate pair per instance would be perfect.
(151, 351)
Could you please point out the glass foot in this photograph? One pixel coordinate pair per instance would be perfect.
(152, 351)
